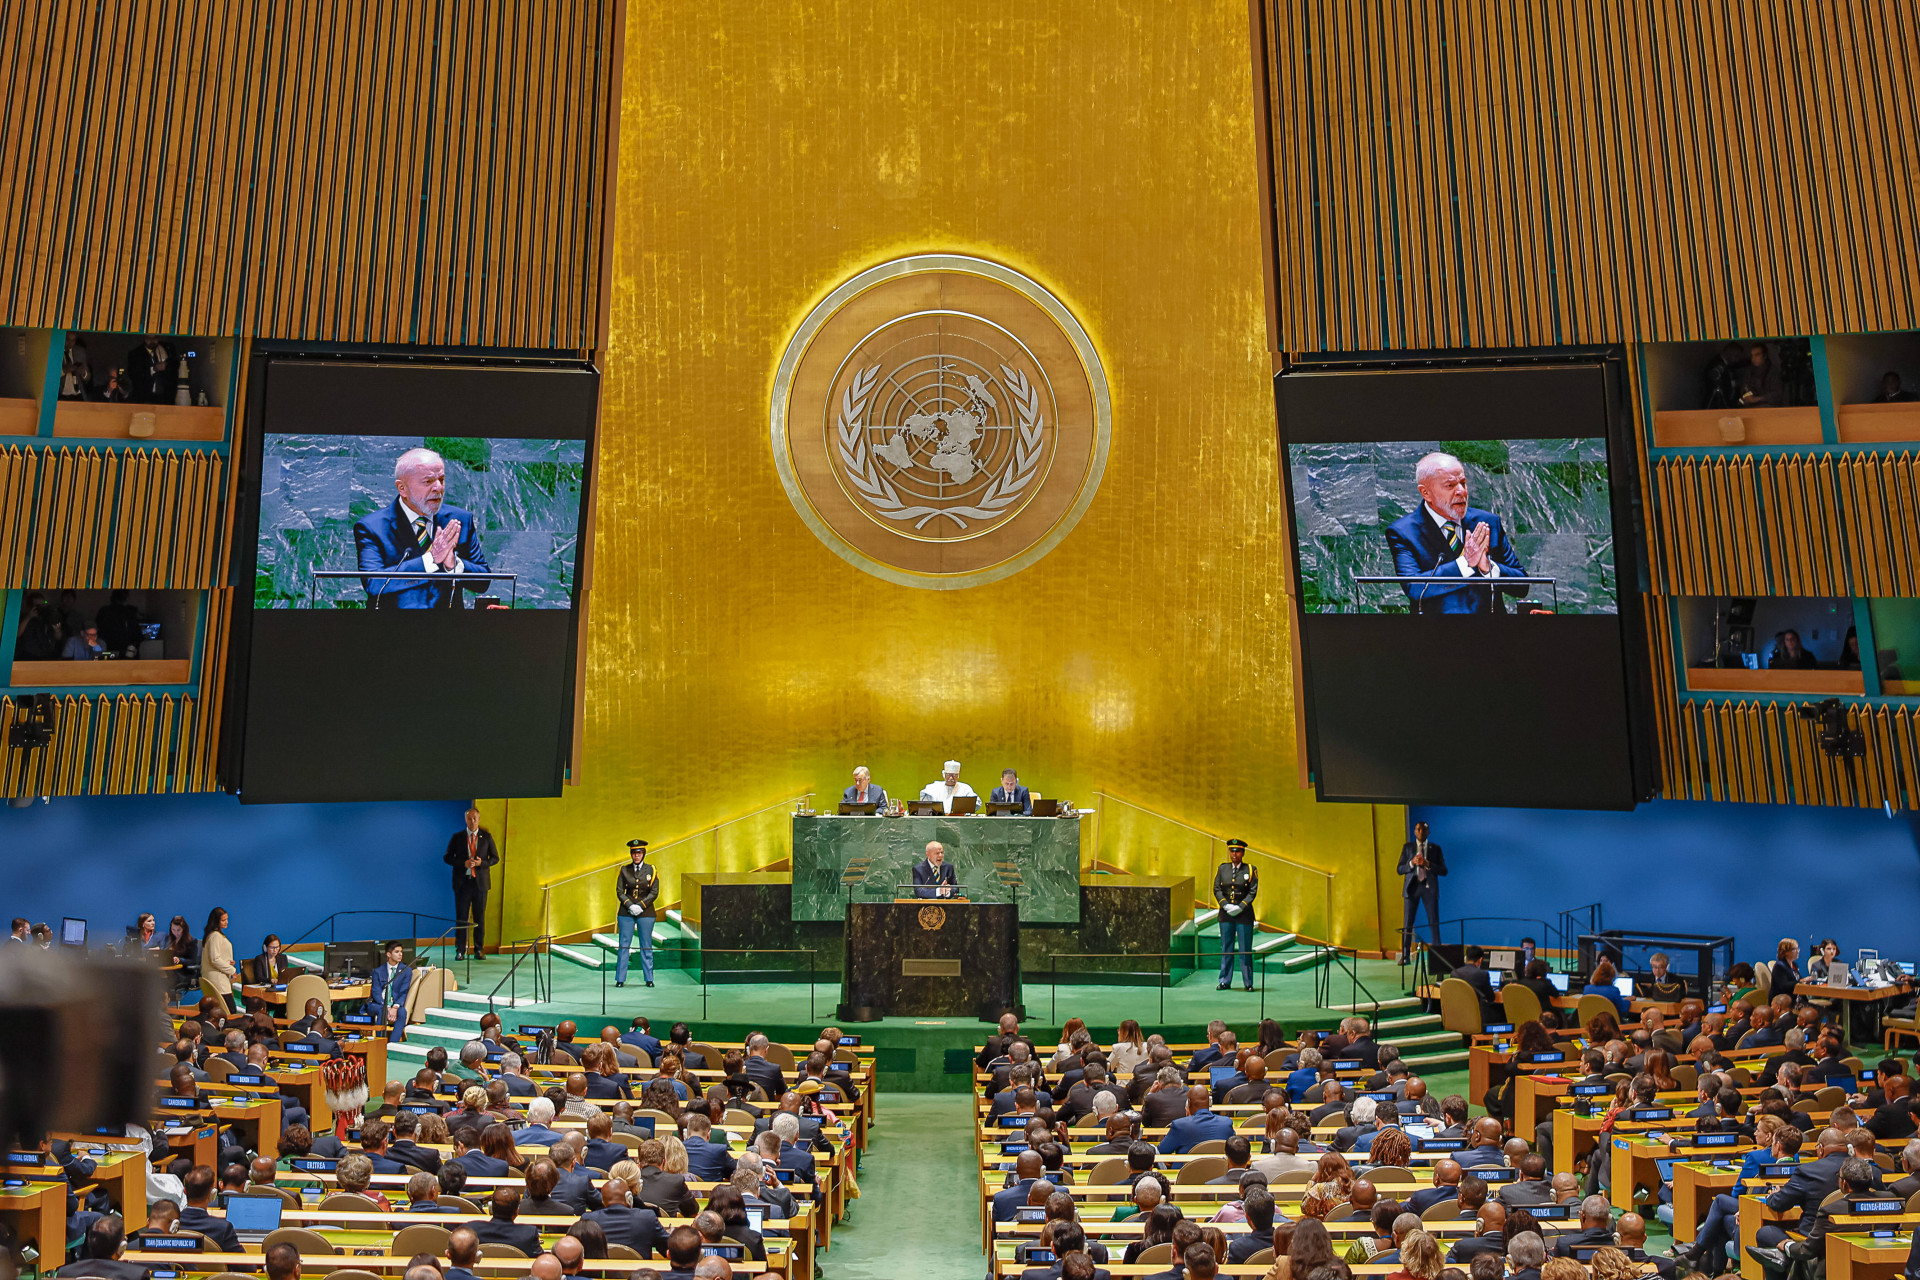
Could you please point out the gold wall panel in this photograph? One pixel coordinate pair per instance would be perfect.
(733, 660)
(1474, 173)
(106, 744)
(393, 171)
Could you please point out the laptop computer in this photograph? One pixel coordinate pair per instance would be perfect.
(924, 808)
(1004, 808)
(964, 805)
(1559, 981)
(1045, 808)
(849, 809)
(253, 1217)
(1624, 985)
(1837, 974)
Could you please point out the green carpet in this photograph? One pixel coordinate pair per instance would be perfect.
(918, 1197)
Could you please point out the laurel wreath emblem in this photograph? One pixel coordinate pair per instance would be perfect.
(865, 475)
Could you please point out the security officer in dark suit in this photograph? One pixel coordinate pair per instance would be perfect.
(1422, 863)
(1235, 885)
(472, 856)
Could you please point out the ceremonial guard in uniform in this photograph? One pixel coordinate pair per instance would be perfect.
(638, 886)
(1235, 885)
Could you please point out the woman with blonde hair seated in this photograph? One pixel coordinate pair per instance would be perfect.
(1420, 1258)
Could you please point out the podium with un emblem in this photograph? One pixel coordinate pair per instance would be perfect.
(931, 957)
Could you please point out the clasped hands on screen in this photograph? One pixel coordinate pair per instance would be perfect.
(446, 542)
(1475, 552)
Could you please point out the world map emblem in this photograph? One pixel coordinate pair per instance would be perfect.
(940, 421)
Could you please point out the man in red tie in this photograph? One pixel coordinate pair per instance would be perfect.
(471, 855)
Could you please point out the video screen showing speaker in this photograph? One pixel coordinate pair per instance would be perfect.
(1457, 542)
(407, 621)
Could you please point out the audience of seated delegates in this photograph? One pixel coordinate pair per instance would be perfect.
(625, 1208)
(1157, 1093)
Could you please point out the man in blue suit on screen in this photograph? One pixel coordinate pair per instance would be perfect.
(419, 533)
(1454, 548)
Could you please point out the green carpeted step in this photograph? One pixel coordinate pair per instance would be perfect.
(1371, 1006)
(1312, 957)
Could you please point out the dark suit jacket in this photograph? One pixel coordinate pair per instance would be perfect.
(259, 969)
(1523, 1193)
(638, 1229)
(1163, 1108)
(1420, 548)
(1476, 976)
(384, 540)
(195, 1218)
(926, 879)
(1021, 796)
(708, 1161)
(1807, 1186)
(667, 1192)
(577, 1189)
(456, 857)
(409, 1152)
(767, 1074)
(602, 1154)
(875, 795)
(402, 984)
(518, 1234)
(1436, 867)
(1466, 1250)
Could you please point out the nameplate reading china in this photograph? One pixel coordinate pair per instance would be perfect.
(940, 421)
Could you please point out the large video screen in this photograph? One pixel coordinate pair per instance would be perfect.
(450, 521)
(412, 618)
(1459, 569)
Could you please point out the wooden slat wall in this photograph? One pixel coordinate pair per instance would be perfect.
(1786, 525)
(1470, 173)
(88, 517)
(108, 744)
(407, 171)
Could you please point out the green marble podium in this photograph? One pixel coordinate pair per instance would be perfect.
(1033, 863)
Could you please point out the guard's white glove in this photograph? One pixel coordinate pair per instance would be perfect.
(1232, 908)
(633, 908)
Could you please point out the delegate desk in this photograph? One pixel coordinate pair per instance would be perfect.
(37, 1212)
(1862, 1256)
(1863, 1005)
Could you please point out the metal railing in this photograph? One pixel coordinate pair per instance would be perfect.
(1342, 959)
(441, 941)
(681, 948)
(1164, 973)
(1217, 853)
(539, 949)
(654, 852)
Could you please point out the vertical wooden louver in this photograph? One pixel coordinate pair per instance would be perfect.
(1464, 173)
(404, 171)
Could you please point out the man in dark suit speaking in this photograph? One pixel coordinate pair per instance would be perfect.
(933, 875)
(1453, 547)
(419, 533)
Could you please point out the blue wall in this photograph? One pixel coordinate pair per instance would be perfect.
(1757, 872)
(275, 868)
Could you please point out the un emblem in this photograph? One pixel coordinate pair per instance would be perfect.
(932, 918)
(940, 421)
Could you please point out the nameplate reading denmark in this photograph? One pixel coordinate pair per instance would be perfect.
(929, 968)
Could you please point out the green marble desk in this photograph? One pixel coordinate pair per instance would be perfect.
(1033, 863)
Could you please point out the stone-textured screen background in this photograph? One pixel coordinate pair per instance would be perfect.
(1551, 495)
(524, 494)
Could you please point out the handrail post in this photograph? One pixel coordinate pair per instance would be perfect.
(1053, 990)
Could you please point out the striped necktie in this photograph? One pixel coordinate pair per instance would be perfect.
(1452, 528)
(423, 531)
